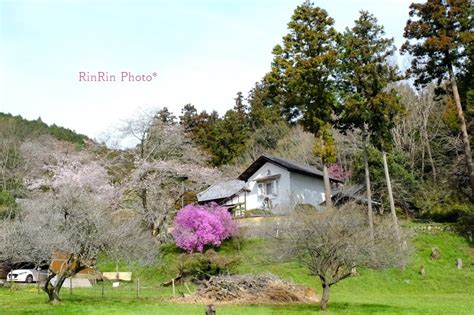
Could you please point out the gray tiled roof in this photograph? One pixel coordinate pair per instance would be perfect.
(292, 166)
(356, 193)
(221, 190)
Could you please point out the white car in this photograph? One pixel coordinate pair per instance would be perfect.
(27, 275)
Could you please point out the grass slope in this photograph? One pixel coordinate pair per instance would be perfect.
(443, 290)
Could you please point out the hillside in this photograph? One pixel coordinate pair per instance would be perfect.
(442, 290)
(33, 128)
(390, 290)
(27, 148)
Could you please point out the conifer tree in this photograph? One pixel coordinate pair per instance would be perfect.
(369, 105)
(303, 78)
(440, 39)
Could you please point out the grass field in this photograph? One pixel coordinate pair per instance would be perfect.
(442, 290)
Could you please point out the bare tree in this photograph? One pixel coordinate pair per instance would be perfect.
(138, 128)
(333, 242)
(157, 138)
(419, 126)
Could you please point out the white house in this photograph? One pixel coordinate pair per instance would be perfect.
(269, 183)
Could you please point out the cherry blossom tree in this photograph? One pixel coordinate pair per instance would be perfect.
(73, 209)
(165, 182)
(166, 164)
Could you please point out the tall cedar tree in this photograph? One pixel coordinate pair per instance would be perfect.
(368, 104)
(223, 138)
(302, 77)
(230, 134)
(262, 113)
(440, 39)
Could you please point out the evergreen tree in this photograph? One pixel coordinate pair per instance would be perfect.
(262, 112)
(266, 124)
(187, 119)
(440, 39)
(303, 78)
(166, 116)
(223, 138)
(239, 106)
(229, 138)
(368, 103)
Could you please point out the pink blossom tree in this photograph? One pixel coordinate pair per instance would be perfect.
(337, 171)
(196, 226)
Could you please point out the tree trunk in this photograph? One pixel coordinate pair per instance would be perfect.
(68, 269)
(465, 136)
(59, 284)
(48, 287)
(430, 157)
(142, 147)
(53, 291)
(143, 197)
(427, 143)
(323, 305)
(327, 186)
(422, 162)
(390, 197)
(369, 191)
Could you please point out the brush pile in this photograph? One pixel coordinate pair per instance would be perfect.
(263, 289)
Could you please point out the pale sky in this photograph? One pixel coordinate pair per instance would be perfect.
(203, 53)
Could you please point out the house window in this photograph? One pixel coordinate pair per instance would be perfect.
(268, 189)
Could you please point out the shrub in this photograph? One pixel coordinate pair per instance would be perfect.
(196, 226)
(466, 225)
(202, 266)
(6, 199)
(7, 204)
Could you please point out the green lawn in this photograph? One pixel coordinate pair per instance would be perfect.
(442, 290)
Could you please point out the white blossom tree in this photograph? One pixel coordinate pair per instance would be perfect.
(77, 215)
(166, 164)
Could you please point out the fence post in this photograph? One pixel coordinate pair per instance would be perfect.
(174, 290)
(186, 285)
(138, 288)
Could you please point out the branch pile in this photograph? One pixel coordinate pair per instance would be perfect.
(263, 289)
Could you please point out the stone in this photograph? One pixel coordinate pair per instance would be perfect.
(422, 270)
(210, 309)
(435, 253)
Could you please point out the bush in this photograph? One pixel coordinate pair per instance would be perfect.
(202, 266)
(197, 226)
(466, 225)
(7, 204)
(6, 199)
(440, 204)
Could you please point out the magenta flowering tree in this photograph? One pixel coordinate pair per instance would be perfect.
(337, 171)
(196, 226)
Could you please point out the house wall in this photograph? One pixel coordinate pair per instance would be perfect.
(306, 189)
(237, 199)
(283, 197)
